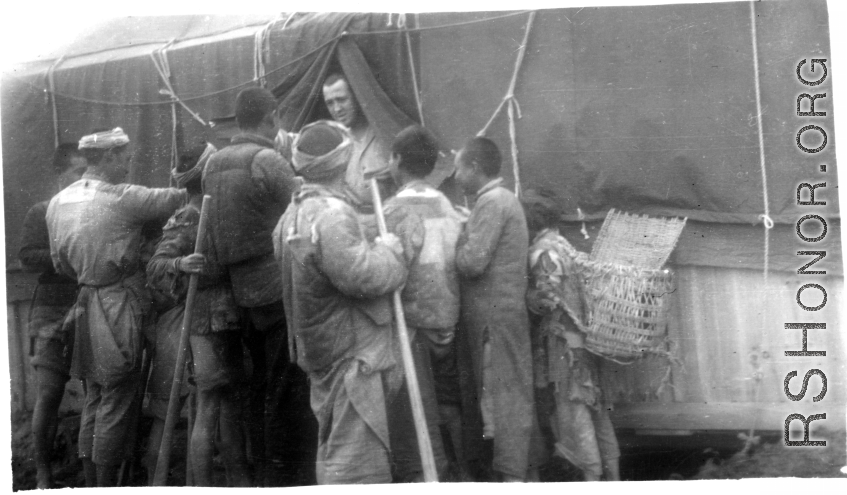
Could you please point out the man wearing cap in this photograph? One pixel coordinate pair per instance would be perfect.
(251, 185)
(95, 233)
(370, 154)
(336, 288)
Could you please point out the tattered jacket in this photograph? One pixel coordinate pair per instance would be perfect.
(431, 294)
(335, 283)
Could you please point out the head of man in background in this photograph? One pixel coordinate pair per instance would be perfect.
(477, 164)
(69, 164)
(254, 112)
(342, 103)
(108, 154)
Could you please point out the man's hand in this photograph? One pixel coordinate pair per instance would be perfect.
(392, 241)
(193, 263)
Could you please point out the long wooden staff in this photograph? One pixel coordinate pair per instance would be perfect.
(173, 404)
(424, 443)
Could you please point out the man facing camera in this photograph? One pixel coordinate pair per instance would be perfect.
(370, 154)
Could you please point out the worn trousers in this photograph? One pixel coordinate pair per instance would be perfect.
(282, 428)
(108, 415)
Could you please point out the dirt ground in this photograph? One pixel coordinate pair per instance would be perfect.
(775, 460)
(675, 459)
(67, 468)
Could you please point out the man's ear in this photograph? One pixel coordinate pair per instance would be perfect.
(476, 167)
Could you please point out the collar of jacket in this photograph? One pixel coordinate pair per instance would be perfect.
(91, 175)
(249, 137)
(308, 190)
(415, 183)
(491, 185)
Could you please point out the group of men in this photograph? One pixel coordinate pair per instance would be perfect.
(293, 345)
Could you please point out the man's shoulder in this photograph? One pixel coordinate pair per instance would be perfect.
(38, 209)
(497, 197)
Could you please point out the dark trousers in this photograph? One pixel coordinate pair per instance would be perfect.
(405, 453)
(282, 429)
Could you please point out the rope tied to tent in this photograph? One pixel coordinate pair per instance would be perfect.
(261, 46)
(414, 72)
(512, 106)
(401, 21)
(51, 83)
(750, 439)
(160, 61)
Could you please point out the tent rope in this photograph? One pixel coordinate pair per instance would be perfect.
(288, 19)
(414, 74)
(767, 221)
(280, 68)
(261, 46)
(51, 82)
(160, 61)
(765, 217)
(513, 107)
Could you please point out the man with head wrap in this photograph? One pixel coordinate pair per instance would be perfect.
(250, 185)
(95, 229)
(217, 362)
(336, 286)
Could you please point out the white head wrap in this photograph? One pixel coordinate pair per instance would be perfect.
(321, 167)
(104, 140)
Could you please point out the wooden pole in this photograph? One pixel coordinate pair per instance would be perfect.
(424, 443)
(173, 404)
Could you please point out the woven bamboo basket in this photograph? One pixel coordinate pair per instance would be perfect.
(627, 309)
(626, 289)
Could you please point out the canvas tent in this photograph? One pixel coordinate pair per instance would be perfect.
(645, 109)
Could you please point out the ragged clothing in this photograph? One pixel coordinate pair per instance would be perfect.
(55, 293)
(431, 294)
(250, 185)
(335, 287)
(214, 306)
(95, 227)
(491, 259)
(95, 235)
(581, 424)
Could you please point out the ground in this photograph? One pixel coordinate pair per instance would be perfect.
(67, 468)
(689, 457)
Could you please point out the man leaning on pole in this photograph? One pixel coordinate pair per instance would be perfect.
(337, 288)
(95, 233)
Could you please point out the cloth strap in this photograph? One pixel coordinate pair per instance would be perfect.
(183, 178)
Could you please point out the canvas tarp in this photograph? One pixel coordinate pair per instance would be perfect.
(646, 109)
